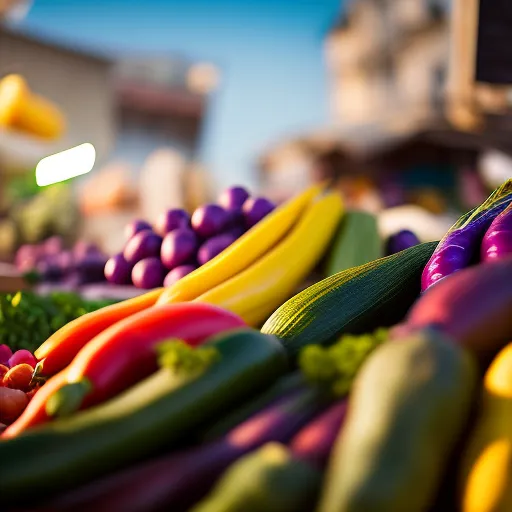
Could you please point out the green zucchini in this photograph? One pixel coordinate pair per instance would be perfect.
(357, 300)
(409, 405)
(356, 242)
(155, 413)
(267, 480)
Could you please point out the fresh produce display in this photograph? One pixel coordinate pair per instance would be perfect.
(356, 242)
(27, 319)
(157, 412)
(178, 243)
(359, 393)
(461, 245)
(50, 262)
(401, 241)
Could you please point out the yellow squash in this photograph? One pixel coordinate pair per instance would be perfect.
(257, 291)
(487, 468)
(242, 253)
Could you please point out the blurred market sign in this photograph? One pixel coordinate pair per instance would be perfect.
(66, 165)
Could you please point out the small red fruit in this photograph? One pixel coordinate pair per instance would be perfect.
(19, 377)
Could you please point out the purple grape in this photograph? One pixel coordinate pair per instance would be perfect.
(5, 355)
(91, 268)
(236, 232)
(66, 261)
(82, 248)
(148, 273)
(214, 246)
(22, 356)
(235, 218)
(179, 246)
(53, 245)
(118, 270)
(172, 219)
(233, 197)
(144, 244)
(209, 220)
(256, 209)
(49, 270)
(177, 273)
(135, 227)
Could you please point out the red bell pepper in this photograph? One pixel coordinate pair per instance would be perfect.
(60, 348)
(126, 352)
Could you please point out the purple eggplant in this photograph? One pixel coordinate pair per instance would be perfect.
(472, 307)
(314, 442)
(118, 270)
(401, 241)
(176, 481)
(497, 241)
(461, 244)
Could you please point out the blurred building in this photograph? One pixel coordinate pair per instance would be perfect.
(414, 99)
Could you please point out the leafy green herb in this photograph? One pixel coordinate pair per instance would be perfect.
(27, 319)
(334, 368)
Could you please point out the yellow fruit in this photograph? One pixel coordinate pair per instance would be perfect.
(257, 291)
(487, 467)
(242, 253)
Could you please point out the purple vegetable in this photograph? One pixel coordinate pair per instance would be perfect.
(83, 248)
(135, 227)
(236, 218)
(236, 232)
(214, 246)
(497, 241)
(66, 261)
(472, 307)
(27, 257)
(176, 481)
(118, 270)
(233, 197)
(148, 273)
(91, 268)
(144, 244)
(401, 241)
(461, 244)
(49, 271)
(22, 356)
(179, 246)
(5, 354)
(314, 442)
(209, 220)
(177, 273)
(256, 209)
(52, 245)
(172, 219)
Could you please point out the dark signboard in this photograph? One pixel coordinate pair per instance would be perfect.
(494, 50)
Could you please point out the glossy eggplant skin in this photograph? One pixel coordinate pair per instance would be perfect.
(461, 245)
(497, 241)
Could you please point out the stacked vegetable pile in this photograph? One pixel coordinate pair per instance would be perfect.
(168, 401)
(179, 243)
(50, 262)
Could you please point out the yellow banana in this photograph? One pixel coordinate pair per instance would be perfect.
(487, 467)
(242, 253)
(257, 291)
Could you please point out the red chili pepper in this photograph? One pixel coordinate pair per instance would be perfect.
(60, 348)
(125, 353)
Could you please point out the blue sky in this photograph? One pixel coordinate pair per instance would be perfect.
(269, 51)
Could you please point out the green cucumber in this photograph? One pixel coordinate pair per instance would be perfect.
(356, 242)
(409, 405)
(154, 414)
(355, 301)
(267, 480)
